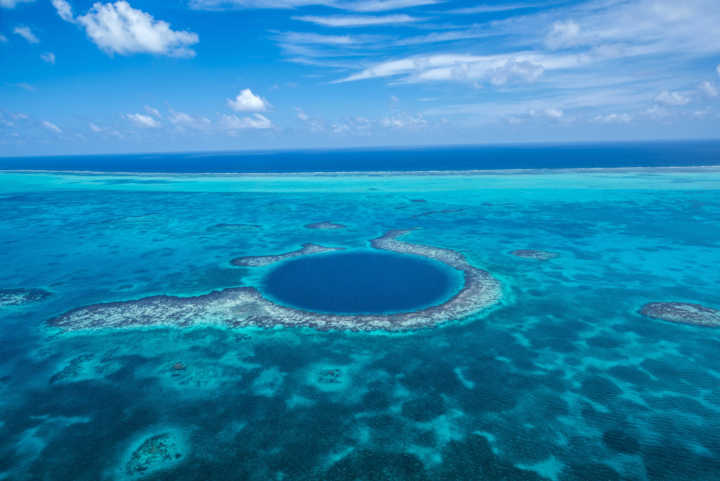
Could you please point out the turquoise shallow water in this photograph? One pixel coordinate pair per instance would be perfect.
(564, 380)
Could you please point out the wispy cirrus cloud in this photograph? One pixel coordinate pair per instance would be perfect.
(26, 32)
(51, 126)
(349, 5)
(12, 3)
(357, 20)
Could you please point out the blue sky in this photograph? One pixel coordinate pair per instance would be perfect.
(139, 76)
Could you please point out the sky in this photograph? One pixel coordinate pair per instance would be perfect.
(83, 77)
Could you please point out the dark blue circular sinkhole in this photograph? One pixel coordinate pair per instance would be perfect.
(364, 282)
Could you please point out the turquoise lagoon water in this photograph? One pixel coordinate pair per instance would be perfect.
(563, 380)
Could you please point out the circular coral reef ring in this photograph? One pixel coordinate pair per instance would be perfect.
(245, 306)
(534, 254)
(683, 313)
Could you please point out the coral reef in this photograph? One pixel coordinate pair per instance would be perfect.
(245, 306)
(534, 254)
(683, 313)
(257, 261)
(160, 451)
(324, 226)
(19, 297)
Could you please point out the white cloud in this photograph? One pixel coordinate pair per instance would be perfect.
(401, 121)
(246, 101)
(672, 98)
(119, 28)
(613, 118)
(497, 69)
(95, 127)
(153, 111)
(302, 115)
(12, 3)
(494, 8)
(351, 5)
(48, 57)
(257, 121)
(143, 120)
(51, 126)
(554, 113)
(183, 120)
(63, 9)
(717, 69)
(563, 34)
(26, 33)
(357, 20)
(709, 89)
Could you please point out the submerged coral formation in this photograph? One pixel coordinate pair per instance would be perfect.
(19, 297)
(325, 226)
(245, 306)
(159, 451)
(258, 261)
(682, 312)
(534, 254)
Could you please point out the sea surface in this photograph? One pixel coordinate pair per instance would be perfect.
(563, 380)
(463, 158)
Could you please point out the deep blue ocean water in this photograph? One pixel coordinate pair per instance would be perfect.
(360, 282)
(493, 157)
(563, 381)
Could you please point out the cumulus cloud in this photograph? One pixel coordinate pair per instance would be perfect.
(709, 89)
(12, 3)
(143, 120)
(667, 97)
(246, 101)
(119, 28)
(63, 9)
(51, 126)
(48, 57)
(26, 33)
(357, 20)
(257, 121)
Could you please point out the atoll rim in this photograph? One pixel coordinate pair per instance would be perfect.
(246, 306)
(683, 313)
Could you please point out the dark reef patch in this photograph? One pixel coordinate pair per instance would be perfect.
(232, 227)
(683, 313)
(620, 441)
(326, 225)
(20, 297)
(156, 452)
(534, 254)
(245, 306)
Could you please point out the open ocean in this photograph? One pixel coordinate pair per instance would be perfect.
(560, 378)
(530, 156)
